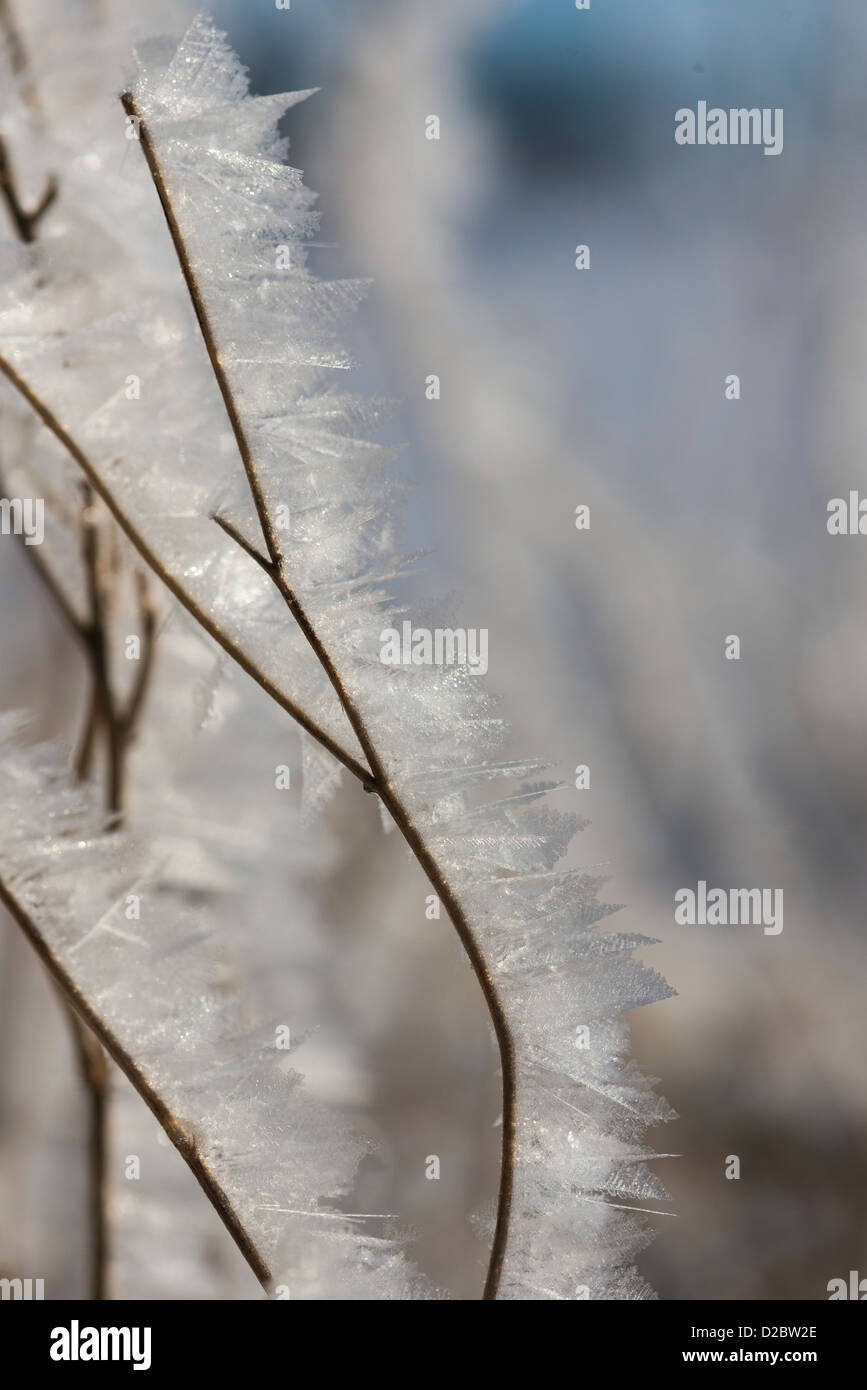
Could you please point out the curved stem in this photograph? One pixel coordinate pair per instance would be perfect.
(415, 840)
(183, 1141)
(379, 781)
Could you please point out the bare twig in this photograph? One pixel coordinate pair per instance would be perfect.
(83, 757)
(106, 711)
(24, 222)
(234, 534)
(180, 1136)
(379, 781)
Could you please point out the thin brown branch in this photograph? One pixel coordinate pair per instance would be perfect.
(234, 534)
(82, 761)
(102, 713)
(241, 440)
(106, 712)
(380, 780)
(95, 630)
(24, 222)
(183, 1141)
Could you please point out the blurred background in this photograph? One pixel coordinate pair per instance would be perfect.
(561, 387)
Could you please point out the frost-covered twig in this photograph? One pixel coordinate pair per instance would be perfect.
(108, 712)
(171, 1000)
(379, 780)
